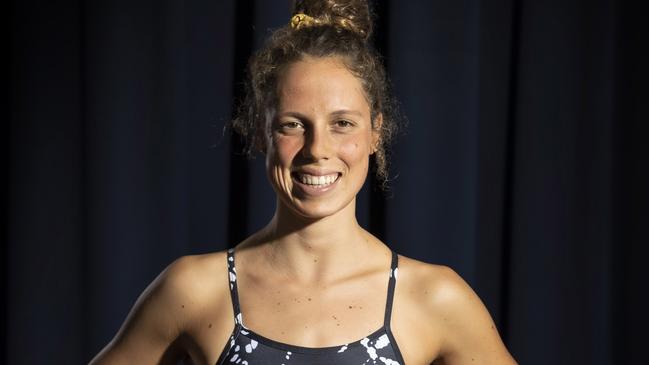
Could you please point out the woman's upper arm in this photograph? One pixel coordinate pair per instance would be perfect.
(153, 324)
(470, 335)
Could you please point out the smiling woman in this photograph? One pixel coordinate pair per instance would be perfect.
(312, 287)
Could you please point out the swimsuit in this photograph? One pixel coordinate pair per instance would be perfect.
(245, 347)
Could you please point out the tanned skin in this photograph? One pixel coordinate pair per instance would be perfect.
(313, 276)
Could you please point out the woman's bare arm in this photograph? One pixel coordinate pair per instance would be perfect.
(470, 335)
(154, 324)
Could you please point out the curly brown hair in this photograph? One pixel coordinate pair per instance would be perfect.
(333, 28)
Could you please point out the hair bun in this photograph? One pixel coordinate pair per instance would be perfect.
(353, 15)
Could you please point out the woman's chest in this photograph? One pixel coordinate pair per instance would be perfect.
(313, 318)
(315, 315)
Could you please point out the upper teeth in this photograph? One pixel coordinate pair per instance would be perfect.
(317, 180)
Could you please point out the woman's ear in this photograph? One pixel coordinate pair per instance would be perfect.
(377, 123)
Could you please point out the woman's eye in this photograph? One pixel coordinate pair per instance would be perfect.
(291, 125)
(344, 123)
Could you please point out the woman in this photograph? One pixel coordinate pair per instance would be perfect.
(312, 287)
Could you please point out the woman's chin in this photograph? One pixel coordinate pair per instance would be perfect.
(315, 211)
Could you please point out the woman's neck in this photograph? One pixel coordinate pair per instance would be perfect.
(313, 249)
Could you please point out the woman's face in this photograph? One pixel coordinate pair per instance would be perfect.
(319, 138)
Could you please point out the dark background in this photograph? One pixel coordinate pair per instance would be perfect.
(524, 166)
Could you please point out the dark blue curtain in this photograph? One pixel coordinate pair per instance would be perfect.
(523, 167)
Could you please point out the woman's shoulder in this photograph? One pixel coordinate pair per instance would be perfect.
(450, 307)
(196, 275)
(427, 274)
(437, 288)
(193, 288)
(186, 292)
(184, 287)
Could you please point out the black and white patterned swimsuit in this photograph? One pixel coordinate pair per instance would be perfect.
(249, 348)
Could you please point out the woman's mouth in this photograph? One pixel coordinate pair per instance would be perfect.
(315, 183)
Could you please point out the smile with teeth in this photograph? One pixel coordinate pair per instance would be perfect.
(317, 181)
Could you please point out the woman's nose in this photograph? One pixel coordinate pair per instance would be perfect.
(317, 145)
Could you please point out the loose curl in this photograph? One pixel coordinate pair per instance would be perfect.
(339, 29)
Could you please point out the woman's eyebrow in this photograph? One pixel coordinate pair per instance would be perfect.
(297, 115)
(338, 112)
(346, 112)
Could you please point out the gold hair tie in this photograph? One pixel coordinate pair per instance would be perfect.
(299, 20)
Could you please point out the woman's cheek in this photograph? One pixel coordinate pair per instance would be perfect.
(353, 149)
(285, 148)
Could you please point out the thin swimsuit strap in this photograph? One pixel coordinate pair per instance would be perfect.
(234, 292)
(394, 271)
(236, 307)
